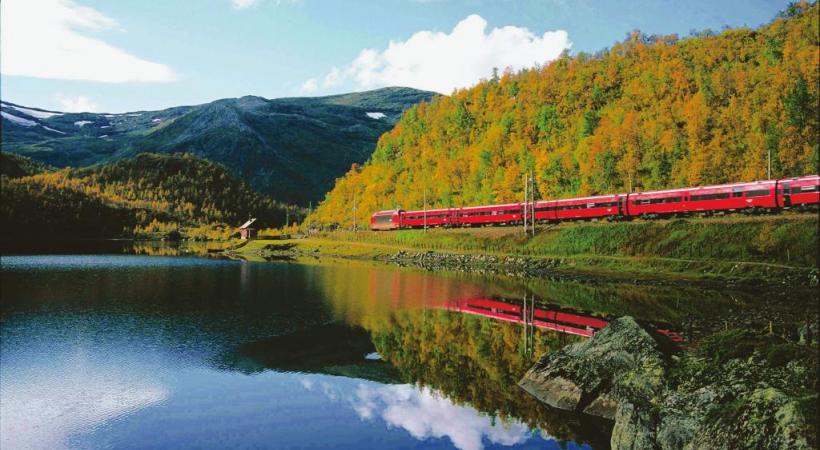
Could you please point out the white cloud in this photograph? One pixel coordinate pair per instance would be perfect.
(44, 408)
(79, 103)
(332, 78)
(425, 413)
(245, 4)
(44, 39)
(242, 4)
(442, 62)
(310, 85)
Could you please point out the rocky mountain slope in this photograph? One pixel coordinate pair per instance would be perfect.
(290, 148)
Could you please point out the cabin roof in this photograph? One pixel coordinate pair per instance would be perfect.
(247, 224)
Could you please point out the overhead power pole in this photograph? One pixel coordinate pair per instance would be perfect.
(526, 198)
(769, 164)
(425, 209)
(532, 196)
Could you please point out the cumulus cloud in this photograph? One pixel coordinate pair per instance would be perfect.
(427, 414)
(44, 39)
(310, 85)
(79, 103)
(441, 62)
(245, 4)
(242, 4)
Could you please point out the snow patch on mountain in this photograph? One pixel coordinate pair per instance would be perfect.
(36, 113)
(376, 115)
(18, 120)
(52, 129)
(82, 123)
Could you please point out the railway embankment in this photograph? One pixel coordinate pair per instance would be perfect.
(778, 249)
(734, 389)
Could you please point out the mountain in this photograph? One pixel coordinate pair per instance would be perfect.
(289, 148)
(148, 195)
(16, 166)
(651, 112)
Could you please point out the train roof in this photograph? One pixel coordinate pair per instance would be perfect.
(385, 212)
(716, 186)
(505, 205)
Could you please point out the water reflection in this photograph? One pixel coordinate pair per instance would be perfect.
(139, 351)
(43, 406)
(425, 413)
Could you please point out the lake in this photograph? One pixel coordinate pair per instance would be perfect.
(134, 351)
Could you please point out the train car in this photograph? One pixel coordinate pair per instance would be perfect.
(386, 220)
(799, 192)
(490, 215)
(758, 195)
(584, 208)
(767, 195)
(434, 218)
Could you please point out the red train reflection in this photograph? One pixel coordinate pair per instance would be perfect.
(540, 316)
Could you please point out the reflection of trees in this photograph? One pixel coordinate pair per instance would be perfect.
(478, 361)
(159, 248)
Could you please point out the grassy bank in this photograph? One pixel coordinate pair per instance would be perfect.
(737, 248)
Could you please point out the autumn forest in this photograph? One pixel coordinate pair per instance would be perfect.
(650, 112)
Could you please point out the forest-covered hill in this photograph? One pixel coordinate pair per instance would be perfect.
(149, 195)
(289, 148)
(650, 112)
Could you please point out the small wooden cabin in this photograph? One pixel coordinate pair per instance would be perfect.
(248, 230)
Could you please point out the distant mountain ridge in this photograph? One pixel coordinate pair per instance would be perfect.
(289, 148)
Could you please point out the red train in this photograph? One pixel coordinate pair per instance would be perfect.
(756, 196)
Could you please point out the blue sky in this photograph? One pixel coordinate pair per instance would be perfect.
(124, 55)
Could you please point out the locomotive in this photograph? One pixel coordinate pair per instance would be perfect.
(752, 197)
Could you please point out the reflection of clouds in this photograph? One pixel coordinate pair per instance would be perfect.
(44, 408)
(425, 413)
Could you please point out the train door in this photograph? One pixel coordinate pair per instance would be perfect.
(787, 195)
(623, 206)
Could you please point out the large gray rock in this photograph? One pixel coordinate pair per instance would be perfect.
(621, 374)
(617, 374)
(621, 362)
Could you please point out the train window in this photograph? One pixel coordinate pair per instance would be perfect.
(757, 193)
(604, 204)
(384, 219)
(711, 196)
(805, 189)
(737, 192)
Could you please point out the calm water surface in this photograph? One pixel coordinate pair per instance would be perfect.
(126, 351)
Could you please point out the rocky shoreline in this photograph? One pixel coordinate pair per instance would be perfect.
(555, 268)
(540, 267)
(736, 390)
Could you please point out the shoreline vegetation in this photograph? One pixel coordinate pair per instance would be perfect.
(726, 250)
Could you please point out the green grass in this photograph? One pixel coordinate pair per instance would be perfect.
(789, 239)
(744, 249)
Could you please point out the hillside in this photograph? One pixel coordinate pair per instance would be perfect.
(290, 148)
(16, 166)
(149, 195)
(651, 112)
